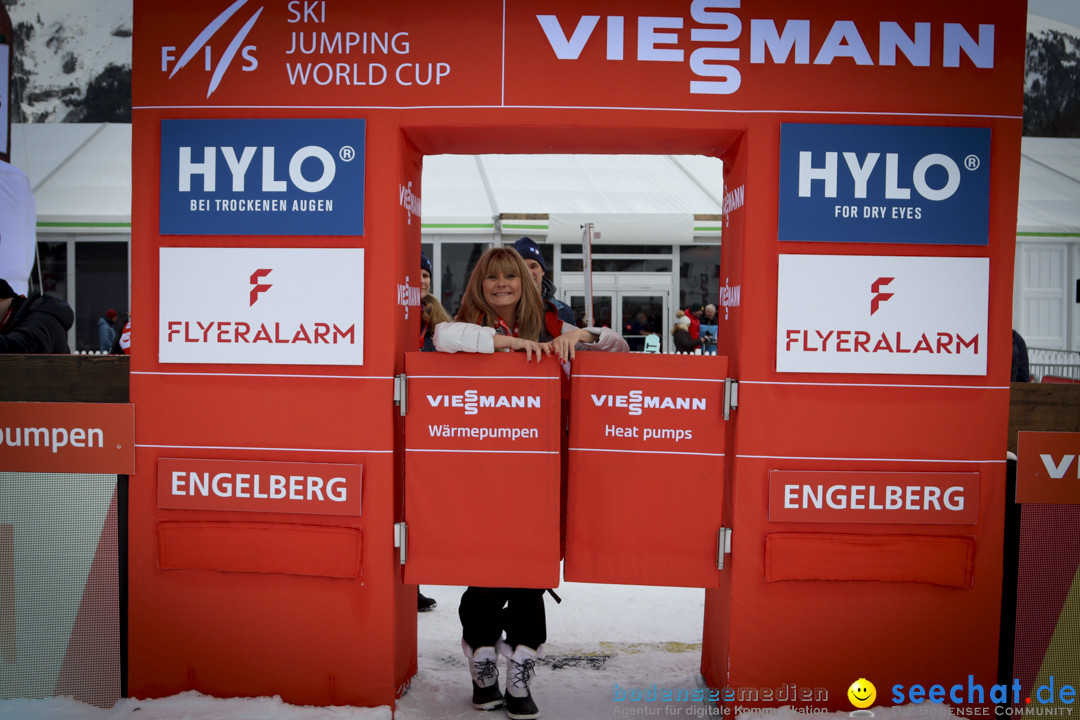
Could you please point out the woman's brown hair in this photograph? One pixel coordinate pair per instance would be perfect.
(530, 310)
(432, 312)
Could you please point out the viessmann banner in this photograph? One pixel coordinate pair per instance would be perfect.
(882, 314)
(605, 53)
(293, 306)
(885, 184)
(262, 177)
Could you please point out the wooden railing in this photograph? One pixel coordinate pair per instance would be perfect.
(64, 378)
(1046, 407)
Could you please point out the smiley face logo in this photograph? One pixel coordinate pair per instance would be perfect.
(862, 693)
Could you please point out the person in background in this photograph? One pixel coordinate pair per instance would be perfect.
(709, 330)
(694, 313)
(431, 314)
(123, 340)
(534, 260)
(636, 330)
(502, 310)
(107, 331)
(680, 334)
(121, 322)
(432, 311)
(34, 325)
(1020, 369)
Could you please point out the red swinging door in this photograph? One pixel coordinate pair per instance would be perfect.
(482, 447)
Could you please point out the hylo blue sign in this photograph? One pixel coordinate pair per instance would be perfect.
(262, 177)
(885, 184)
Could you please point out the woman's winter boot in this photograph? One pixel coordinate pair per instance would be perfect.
(485, 677)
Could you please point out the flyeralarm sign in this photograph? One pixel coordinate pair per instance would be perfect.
(262, 177)
(292, 306)
(885, 184)
(882, 315)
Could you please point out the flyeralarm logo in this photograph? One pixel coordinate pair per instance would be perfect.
(879, 296)
(311, 314)
(257, 287)
(216, 53)
(926, 315)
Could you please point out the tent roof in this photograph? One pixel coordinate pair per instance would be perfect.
(81, 177)
(80, 173)
(1049, 187)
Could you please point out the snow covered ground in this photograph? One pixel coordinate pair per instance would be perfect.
(600, 636)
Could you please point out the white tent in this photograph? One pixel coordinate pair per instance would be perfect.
(81, 178)
(80, 174)
(636, 198)
(1049, 187)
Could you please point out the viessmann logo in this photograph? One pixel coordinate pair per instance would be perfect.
(636, 401)
(709, 42)
(472, 401)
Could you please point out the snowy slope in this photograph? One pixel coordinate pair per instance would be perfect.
(69, 43)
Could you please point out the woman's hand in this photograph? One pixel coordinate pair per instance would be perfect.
(563, 346)
(531, 348)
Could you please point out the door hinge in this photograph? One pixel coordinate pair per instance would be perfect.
(723, 546)
(401, 396)
(731, 396)
(401, 541)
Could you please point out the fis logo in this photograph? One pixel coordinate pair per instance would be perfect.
(201, 43)
(258, 288)
(879, 297)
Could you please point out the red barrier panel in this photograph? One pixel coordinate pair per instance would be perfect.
(646, 453)
(482, 437)
(1047, 468)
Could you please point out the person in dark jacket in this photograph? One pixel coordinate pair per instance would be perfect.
(107, 331)
(34, 325)
(534, 260)
(680, 334)
(1020, 369)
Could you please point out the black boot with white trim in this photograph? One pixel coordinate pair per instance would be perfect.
(520, 668)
